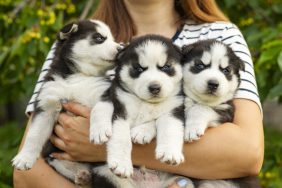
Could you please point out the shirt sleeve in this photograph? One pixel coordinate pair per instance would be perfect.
(233, 37)
(39, 83)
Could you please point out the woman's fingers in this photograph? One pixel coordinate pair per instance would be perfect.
(181, 183)
(58, 142)
(62, 156)
(77, 109)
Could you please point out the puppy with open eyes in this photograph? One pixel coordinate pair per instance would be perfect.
(210, 80)
(146, 102)
(211, 77)
(85, 50)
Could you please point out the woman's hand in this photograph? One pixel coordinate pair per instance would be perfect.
(72, 136)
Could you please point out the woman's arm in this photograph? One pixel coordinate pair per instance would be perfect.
(228, 151)
(41, 175)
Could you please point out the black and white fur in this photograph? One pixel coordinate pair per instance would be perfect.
(211, 77)
(145, 101)
(85, 50)
(210, 80)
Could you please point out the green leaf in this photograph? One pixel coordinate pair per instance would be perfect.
(279, 61)
(276, 91)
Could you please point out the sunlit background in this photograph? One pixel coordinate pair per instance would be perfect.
(28, 28)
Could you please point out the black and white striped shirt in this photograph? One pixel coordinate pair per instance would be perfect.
(225, 32)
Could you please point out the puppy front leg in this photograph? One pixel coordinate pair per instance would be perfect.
(101, 122)
(144, 133)
(39, 132)
(170, 132)
(198, 117)
(119, 149)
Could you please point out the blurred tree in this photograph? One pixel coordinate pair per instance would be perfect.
(28, 28)
(261, 24)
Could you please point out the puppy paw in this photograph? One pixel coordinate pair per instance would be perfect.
(122, 168)
(193, 132)
(169, 157)
(82, 177)
(142, 134)
(101, 134)
(24, 161)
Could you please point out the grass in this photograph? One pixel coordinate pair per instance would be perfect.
(270, 175)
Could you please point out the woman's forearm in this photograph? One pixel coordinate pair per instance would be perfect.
(41, 175)
(228, 151)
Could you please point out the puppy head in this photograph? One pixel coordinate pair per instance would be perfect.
(210, 72)
(89, 44)
(150, 68)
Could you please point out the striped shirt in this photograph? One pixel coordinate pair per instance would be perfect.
(225, 32)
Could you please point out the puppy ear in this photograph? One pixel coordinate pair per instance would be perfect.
(67, 30)
(241, 64)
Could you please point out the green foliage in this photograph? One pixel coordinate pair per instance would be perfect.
(261, 24)
(28, 28)
(10, 137)
(270, 176)
(271, 173)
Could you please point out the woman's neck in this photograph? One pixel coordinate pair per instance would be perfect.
(153, 16)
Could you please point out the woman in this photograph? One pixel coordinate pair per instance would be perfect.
(228, 151)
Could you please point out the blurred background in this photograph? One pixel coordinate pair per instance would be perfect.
(28, 28)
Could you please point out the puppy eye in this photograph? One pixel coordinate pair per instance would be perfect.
(226, 71)
(166, 68)
(98, 38)
(138, 68)
(199, 65)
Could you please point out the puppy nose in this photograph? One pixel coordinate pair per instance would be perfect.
(213, 85)
(154, 88)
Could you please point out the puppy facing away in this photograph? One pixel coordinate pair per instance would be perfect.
(85, 50)
(145, 95)
(210, 80)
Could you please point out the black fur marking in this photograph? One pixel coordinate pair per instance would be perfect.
(168, 69)
(227, 72)
(129, 56)
(119, 109)
(136, 69)
(198, 66)
(110, 96)
(100, 181)
(49, 148)
(179, 113)
(195, 50)
(62, 64)
(248, 182)
(226, 115)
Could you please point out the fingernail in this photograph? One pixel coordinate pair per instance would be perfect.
(182, 182)
(51, 155)
(64, 101)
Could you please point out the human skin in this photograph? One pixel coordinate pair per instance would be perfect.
(228, 151)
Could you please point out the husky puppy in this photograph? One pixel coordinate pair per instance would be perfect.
(145, 95)
(85, 50)
(210, 80)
